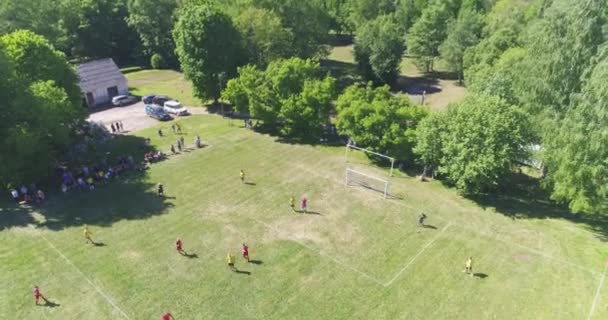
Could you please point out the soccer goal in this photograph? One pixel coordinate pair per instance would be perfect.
(358, 178)
(370, 154)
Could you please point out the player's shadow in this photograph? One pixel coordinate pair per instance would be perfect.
(429, 226)
(50, 304)
(258, 262)
(242, 272)
(310, 212)
(191, 255)
(99, 244)
(250, 183)
(480, 275)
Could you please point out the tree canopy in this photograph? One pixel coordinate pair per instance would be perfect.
(378, 49)
(377, 120)
(428, 33)
(209, 48)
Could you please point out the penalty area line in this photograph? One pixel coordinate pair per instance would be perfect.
(336, 261)
(417, 255)
(85, 277)
(597, 293)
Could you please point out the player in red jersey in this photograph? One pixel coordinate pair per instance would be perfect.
(178, 246)
(303, 204)
(245, 252)
(168, 316)
(38, 295)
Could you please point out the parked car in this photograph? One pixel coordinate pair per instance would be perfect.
(160, 100)
(157, 113)
(174, 107)
(123, 100)
(149, 99)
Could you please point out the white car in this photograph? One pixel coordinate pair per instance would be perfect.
(123, 100)
(174, 107)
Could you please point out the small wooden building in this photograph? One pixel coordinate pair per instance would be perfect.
(100, 81)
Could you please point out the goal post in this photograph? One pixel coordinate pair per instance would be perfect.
(368, 152)
(354, 177)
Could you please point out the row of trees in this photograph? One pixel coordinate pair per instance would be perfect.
(40, 102)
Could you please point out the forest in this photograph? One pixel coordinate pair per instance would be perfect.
(535, 72)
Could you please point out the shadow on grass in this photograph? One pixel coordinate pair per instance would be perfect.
(128, 197)
(416, 85)
(242, 272)
(191, 255)
(480, 275)
(258, 262)
(525, 199)
(345, 73)
(50, 304)
(99, 244)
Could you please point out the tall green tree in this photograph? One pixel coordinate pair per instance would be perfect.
(99, 29)
(378, 49)
(307, 20)
(377, 120)
(474, 143)
(578, 152)
(428, 33)
(463, 33)
(408, 11)
(153, 20)
(209, 48)
(362, 11)
(265, 37)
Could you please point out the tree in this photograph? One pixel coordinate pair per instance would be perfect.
(307, 20)
(463, 33)
(576, 155)
(377, 120)
(208, 45)
(408, 11)
(40, 107)
(474, 143)
(378, 49)
(99, 29)
(362, 11)
(35, 59)
(265, 37)
(292, 94)
(427, 34)
(153, 20)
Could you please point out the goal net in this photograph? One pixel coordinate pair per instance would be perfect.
(363, 160)
(358, 178)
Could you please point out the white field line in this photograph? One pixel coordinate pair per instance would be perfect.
(345, 265)
(597, 293)
(85, 277)
(418, 254)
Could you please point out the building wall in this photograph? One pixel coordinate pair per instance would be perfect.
(100, 93)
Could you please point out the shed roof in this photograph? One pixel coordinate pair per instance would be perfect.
(98, 73)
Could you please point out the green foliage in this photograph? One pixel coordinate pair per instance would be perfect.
(209, 48)
(265, 37)
(157, 61)
(377, 120)
(292, 94)
(39, 110)
(577, 154)
(463, 33)
(153, 20)
(474, 144)
(428, 33)
(307, 20)
(99, 29)
(35, 59)
(378, 49)
(363, 11)
(408, 11)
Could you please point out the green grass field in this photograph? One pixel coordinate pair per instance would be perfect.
(162, 82)
(356, 256)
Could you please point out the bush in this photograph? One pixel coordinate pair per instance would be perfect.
(157, 61)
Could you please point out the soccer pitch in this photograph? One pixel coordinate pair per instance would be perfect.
(353, 256)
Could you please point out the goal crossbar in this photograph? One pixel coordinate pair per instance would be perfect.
(391, 159)
(350, 171)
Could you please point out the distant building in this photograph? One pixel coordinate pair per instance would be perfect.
(100, 81)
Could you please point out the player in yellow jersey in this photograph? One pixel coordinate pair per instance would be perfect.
(242, 174)
(230, 260)
(292, 203)
(468, 266)
(87, 235)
